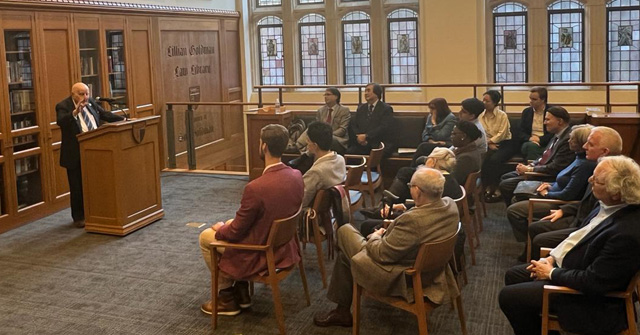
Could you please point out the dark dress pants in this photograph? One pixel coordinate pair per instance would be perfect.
(508, 184)
(495, 163)
(548, 234)
(521, 301)
(75, 188)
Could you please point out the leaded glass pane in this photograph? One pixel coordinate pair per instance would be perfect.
(264, 3)
(623, 40)
(271, 51)
(566, 41)
(510, 43)
(313, 50)
(357, 46)
(403, 46)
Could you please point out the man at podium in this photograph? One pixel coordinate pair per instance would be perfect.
(77, 114)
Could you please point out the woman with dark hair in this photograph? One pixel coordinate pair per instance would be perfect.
(437, 130)
(468, 154)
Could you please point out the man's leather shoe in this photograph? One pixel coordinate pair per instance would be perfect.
(333, 318)
(492, 198)
(242, 294)
(79, 223)
(227, 305)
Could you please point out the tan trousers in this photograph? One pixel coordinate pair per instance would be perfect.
(350, 242)
(206, 237)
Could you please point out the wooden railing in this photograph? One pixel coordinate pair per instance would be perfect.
(474, 90)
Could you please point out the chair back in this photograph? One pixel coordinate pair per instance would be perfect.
(471, 182)
(354, 174)
(375, 157)
(322, 201)
(435, 255)
(462, 202)
(283, 230)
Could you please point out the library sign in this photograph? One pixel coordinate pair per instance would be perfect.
(192, 50)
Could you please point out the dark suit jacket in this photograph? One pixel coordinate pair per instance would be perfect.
(526, 124)
(277, 194)
(70, 127)
(377, 127)
(604, 260)
(581, 210)
(561, 156)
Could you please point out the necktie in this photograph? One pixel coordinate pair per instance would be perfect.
(329, 116)
(547, 153)
(87, 120)
(370, 111)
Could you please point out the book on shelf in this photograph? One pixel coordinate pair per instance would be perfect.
(19, 71)
(22, 101)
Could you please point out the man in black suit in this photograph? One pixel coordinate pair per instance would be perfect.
(77, 114)
(371, 124)
(601, 257)
(555, 227)
(555, 158)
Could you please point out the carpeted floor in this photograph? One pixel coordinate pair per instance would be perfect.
(57, 279)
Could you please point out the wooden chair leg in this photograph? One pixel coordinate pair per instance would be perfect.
(251, 288)
(277, 303)
(463, 265)
(357, 294)
(372, 194)
(303, 276)
(470, 236)
(214, 288)
(463, 322)
(318, 242)
(421, 314)
(631, 316)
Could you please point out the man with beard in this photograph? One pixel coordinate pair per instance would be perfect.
(277, 194)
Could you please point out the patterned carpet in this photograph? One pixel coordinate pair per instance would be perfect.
(57, 279)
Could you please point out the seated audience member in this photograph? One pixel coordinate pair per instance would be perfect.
(600, 257)
(371, 124)
(465, 145)
(441, 159)
(497, 127)
(470, 111)
(494, 121)
(530, 141)
(337, 116)
(555, 158)
(570, 184)
(328, 168)
(437, 130)
(380, 260)
(560, 222)
(277, 194)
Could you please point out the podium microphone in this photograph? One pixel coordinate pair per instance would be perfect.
(107, 100)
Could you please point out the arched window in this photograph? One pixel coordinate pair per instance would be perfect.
(623, 40)
(510, 43)
(267, 3)
(271, 51)
(403, 46)
(357, 59)
(313, 61)
(566, 41)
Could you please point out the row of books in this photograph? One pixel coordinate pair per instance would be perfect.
(87, 66)
(26, 164)
(22, 101)
(19, 71)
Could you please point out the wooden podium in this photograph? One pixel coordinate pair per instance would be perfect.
(121, 176)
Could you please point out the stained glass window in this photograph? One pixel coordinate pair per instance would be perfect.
(623, 40)
(510, 43)
(271, 51)
(313, 64)
(357, 46)
(566, 41)
(266, 3)
(403, 46)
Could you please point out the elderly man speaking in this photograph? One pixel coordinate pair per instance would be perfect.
(385, 254)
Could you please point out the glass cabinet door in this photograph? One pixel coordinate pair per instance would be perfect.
(20, 77)
(28, 181)
(90, 60)
(116, 68)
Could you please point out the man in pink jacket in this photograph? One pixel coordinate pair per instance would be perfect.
(277, 194)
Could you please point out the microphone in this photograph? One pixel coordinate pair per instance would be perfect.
(107, 100)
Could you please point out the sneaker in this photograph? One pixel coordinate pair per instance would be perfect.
(242, 294)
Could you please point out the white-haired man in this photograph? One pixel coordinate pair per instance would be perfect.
(598, 258)
(382, 258)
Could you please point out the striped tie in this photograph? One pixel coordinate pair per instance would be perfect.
(87, 120)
